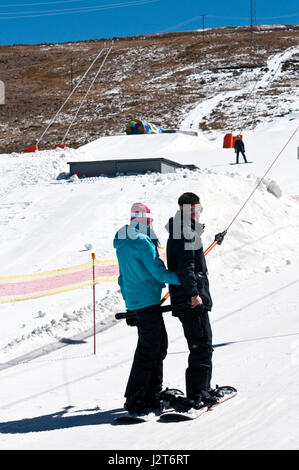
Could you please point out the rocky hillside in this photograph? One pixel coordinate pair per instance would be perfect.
(159, 78)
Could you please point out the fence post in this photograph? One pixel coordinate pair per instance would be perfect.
(93, 255)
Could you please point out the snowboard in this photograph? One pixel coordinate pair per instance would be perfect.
(229, 392)
(133, 418)
(173, 415)
(240, 163)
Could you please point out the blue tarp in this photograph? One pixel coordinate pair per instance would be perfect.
(143, 127)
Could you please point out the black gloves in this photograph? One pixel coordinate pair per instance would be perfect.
(220, 237)
(131, 321)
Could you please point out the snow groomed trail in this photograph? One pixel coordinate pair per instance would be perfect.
(77, 395)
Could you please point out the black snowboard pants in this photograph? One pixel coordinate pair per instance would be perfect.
(237, 155)
(198, 333)
(146, 375)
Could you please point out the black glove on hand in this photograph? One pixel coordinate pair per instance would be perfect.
(220, 236)
(131, 321)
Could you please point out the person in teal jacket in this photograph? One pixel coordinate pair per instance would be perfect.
(142, 276)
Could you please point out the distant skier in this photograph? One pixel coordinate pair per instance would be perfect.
(142, 275)
(185, 256)
(240, 147)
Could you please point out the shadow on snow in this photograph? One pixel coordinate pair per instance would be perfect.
(60, 420)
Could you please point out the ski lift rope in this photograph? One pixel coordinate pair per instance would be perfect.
(263, 177)
(84, 97)
(72, 92)
(219, 237)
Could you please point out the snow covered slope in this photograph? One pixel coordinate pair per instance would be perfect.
(46, 222)
(68, 398)
(261, 145)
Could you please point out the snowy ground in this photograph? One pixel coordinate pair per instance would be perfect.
(67, 399)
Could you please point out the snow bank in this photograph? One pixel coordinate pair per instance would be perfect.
(31, 168)
(53, 229)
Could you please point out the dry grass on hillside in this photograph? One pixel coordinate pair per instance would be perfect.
(156, 77)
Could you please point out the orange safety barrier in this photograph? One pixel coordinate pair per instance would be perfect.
(229, 141)
(31, 149)
(59, 146)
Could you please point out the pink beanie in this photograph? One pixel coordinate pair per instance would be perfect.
(141, 213)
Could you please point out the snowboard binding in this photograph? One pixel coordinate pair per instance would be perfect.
(168, 395)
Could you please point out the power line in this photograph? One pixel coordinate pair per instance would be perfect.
(248, 17)
(190, 20)
(65, 11)
(195, 18)
(41, 3)
(273, 17)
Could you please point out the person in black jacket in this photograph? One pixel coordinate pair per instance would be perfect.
(240, 147)
(185, 256)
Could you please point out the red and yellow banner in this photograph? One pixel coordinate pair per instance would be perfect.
(56, 281)
(33, 286)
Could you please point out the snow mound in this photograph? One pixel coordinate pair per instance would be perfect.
(33, 168)
(178, 147)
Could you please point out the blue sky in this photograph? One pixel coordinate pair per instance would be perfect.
(44, 21)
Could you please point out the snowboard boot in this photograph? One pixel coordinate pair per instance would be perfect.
(137, 406)
(144, 405)
(211, 397)
(216, 392)
(154, 404)
(168, 395)
(182, 404)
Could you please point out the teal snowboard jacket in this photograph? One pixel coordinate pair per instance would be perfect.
(142, 274)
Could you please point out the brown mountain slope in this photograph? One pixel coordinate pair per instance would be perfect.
(157, 78)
